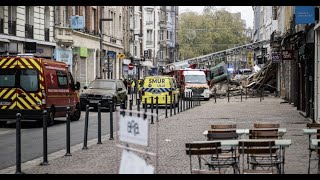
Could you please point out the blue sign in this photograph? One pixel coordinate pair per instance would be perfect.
(77, 22)
(64, 55)
(111, 54)
(304, 14)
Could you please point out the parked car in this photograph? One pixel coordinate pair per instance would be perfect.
(102, 91)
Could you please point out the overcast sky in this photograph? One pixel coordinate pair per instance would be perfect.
(246, 11)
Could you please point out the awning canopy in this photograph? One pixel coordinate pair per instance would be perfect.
(147, 64)
(4, 40)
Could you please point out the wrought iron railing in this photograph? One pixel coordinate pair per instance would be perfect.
(29, 31)
(46, 34)
(12, 27)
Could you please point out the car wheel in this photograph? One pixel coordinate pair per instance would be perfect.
(76, 114)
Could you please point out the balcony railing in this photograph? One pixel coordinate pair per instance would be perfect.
(12, 27)
(149, 42)
(1, 25)
(149, 22)
(46, 34)
(29, 31)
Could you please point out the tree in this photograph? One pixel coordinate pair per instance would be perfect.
(212, 31)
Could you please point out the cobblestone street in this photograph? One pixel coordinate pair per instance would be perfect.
(188, 126)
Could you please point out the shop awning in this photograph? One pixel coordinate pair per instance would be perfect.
(148, 64)
(4, 40)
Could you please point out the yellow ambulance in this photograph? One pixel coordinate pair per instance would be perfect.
(159, 86)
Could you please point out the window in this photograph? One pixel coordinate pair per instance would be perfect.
(161, 35)
(161, 54)
(29, 79)
(62, 79)
(29, 15)
(46, 23)
(93, 17)
(135, 21)
(120, 24)
(1, 12)
(149, 35)
(167, 34)
(135, 50)
(73, 10)
(149, 17)
(7, 78)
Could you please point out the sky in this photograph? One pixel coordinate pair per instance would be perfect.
(246, 11)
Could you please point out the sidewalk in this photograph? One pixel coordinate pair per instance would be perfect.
(175, 131)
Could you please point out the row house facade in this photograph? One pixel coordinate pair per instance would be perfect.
(297, 76)
(24, 27)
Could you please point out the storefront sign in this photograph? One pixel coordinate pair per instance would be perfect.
(287, 54)
(77, 22)
(83, 52)
(276, 57)
(64, 55)
(304, 14)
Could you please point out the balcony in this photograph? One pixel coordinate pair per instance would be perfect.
(12, 28)
(29, 31)
(149, 43)
(149, 23)
(64, 36)
(46, 34)
(1, 25)
(113, 40)
(163, 24)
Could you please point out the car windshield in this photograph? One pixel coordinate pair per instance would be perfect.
(196, 79)
(109, 85)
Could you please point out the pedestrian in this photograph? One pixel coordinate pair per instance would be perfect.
(133, 85)
(129, 86)
(125, 83)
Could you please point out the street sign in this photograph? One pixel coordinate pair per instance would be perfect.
(134, 129)
(130, 66)
(287, 54)
(133, 164)
(250, 58)
(276, 57)
(121, 56)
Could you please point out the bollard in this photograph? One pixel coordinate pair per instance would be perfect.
(157, 108)
(45, 139)
(152, 110)
(260, 95)
(18, 144)
(189, 100)
(178, 104)
(246, 92)
(228, 94)
(241, 94)
(192, 100)
(174, 105)
(136, 97)
(215, 95)
(111, 101)
(122, 106)
(130, 106)
(184, 101)
(171, 104)
(132, 96)
(68, 132)
(86, 124)
(99, 124)
(166, 106)
(138, 107)
(145, 104)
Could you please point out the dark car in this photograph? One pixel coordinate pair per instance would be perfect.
(102, 91)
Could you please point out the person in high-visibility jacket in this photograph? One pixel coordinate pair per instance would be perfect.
(133, 85)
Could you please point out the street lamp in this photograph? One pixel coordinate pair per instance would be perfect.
(101, 40)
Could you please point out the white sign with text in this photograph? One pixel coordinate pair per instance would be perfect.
(133, 164)
(134, 130)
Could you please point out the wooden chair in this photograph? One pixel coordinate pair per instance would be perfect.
(254, 148)
(223, 126)
(212, 149)
(266, 133)
(229, 156)
(266, 125)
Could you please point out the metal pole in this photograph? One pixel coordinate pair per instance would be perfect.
(171, 104)
(260, 95)
(18, 144)
(68, 132)
(241, 94)
(228, 94)
(166, 106)
(136, 93)
(130, 106)
(45, 139)
(178, 104)
(152, 110)
(145, 104)
(184, 101)
(157, 107)
(99, 124)
(108, 67)
(111, 101)
(181, 98)
(174, 105)
(86, 124)
(215, 95)
(189, 99)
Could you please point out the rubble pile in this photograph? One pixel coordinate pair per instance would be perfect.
(264, 80)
